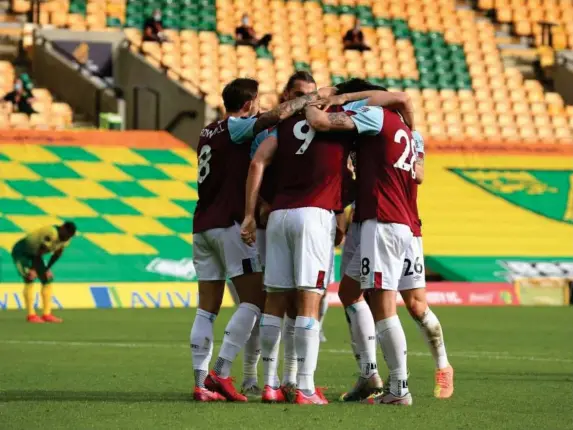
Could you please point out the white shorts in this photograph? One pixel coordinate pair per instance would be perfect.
(300, 245)
(350, 247)
(220, 253)
(262, 245)
(414, 273)
(382, 252)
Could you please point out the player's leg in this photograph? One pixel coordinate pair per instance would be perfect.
(279, 282)
(24, 267)
(244, 268)
(349, 249)
(233, 292)
(290, 365)
(252, 351)
(383, 248)
(363, 333)
(323, 308)
(47, 293)
(324, 301)
(412, 287)
(312, 231)
(211, 279)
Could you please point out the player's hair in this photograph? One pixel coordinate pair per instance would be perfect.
(238, 92)
(299, 75)
(357, 85)
(70, 227)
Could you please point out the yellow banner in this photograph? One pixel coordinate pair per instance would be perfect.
(470, 205)
(112, 295)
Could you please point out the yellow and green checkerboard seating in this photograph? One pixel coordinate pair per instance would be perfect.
(130, 206)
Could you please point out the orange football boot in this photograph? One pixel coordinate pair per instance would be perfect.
(444, 383)
(316, 399)
(52, 319)
(224, 386)
(34, 319)
(204, 395)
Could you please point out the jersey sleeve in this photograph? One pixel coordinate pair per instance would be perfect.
(418, 143)
(241, 129)
(368, 120)
(355, 105)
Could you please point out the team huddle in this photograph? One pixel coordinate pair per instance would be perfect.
(273, 188)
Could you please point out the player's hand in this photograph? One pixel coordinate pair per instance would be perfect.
(49, 276)
(31, 275)
(249, 230)
(325, 102)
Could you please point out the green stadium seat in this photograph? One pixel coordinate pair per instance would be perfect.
(225, 39)
(301, 65)
(383, 22)
(79, 8)
(112, 21)
(335, 79)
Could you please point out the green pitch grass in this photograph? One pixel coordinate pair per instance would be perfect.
(131, 369)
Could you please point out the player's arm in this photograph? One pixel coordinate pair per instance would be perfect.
(419, 170)
(419, 163)
(282, 112)
(365, 120)
(262, 158)
(341, 227)
(398, 101)
(328, 121)
(54, 258)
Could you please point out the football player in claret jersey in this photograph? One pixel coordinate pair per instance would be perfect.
(28, 256)
(299, 84)
(218, 252)
(385, 156)
(310, 168)
(412, 287)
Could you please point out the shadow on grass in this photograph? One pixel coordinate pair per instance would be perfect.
(91, 396)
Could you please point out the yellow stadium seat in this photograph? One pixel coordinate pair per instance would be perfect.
(39, 121)
(19, 120)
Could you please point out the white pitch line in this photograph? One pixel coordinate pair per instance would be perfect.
(481, 355)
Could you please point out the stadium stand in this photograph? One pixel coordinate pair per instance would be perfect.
(50, 114)
(445, 57)
(526, 17)
(130, 204)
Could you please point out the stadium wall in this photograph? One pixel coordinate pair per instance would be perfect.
(134, 71)
(563, 76)
(51, 70)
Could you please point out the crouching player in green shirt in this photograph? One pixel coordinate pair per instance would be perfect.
(28, 255)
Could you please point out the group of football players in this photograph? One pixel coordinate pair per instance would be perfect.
(272, 192)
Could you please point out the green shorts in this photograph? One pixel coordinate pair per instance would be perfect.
(24, 261)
